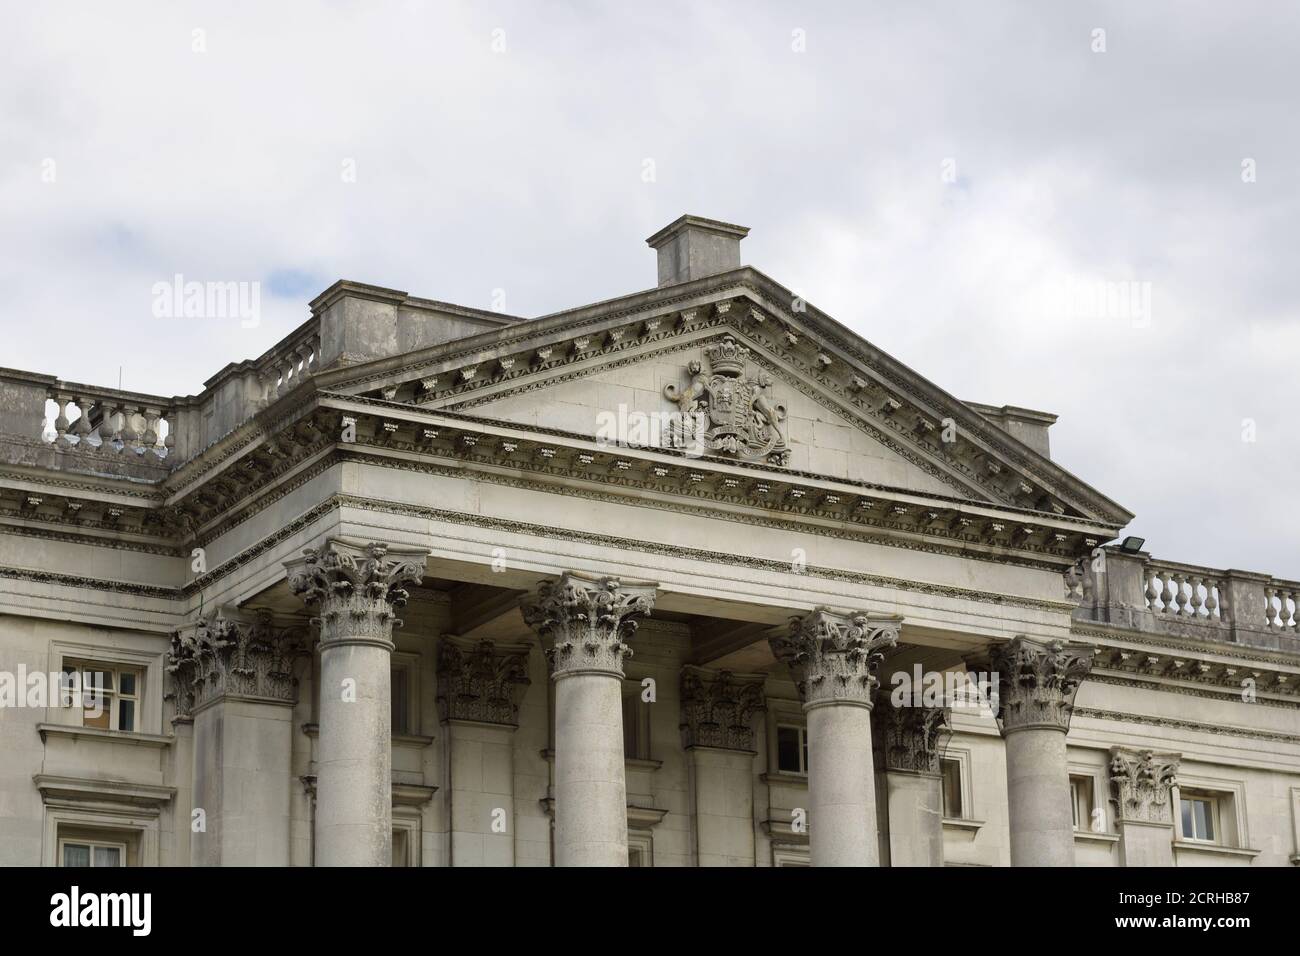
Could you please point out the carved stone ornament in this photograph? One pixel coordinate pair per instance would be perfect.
(833, 657)
(717, 707)
(585, 622)
(726, 411)
(910, 738)
(1141, 780)
(357, 586)
(1038, 682)
(479, 681)
(224, 657)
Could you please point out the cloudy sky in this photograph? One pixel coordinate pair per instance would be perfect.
(953, 181)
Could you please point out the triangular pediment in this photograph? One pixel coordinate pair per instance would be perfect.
(847, 412)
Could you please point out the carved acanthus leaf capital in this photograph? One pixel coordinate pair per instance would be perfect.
(1141, 780)
(833, 657)
(717, 707)
(1038, 682)
(356, 585)
(585, 622)
(481, 681)
(234, 655)
(910, 738)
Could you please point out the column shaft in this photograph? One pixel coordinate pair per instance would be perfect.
(915, 818)
(841, 787)
(590, 786)
(354, 801)
(1038, 798)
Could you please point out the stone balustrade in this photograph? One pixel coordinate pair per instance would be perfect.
(1131, 589)
(41, 410)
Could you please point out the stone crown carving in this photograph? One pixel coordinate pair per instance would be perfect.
(233, 658)
(731, 412)
(479, 681)
(1141, 780)
(910, 738)
(356, 585)
(833, 657)
(585, 622)
(1038, 682)
(718, 707)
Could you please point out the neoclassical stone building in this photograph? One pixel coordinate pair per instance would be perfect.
(695, 576)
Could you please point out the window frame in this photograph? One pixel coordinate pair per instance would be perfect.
(149, 693)
(962, 757)
(110, 690)
(640, 711)
(408, 664)
(801, 729)
(1214, 804)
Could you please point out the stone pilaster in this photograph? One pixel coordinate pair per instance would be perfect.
(232, 677)
(480, 685)
(584, 624)
(1141, 780)
(910, 740)
(358, 588)
(833, 658)
(1037, 684)
(717, 723)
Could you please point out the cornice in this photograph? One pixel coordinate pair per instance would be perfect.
(1226, 730)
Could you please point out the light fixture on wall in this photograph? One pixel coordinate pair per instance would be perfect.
(1132, 544)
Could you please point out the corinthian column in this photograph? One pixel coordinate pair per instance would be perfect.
(357, 587)
(584, 624)
(832, 658)
(1037, 682)
(1141, 779)
(910, 740)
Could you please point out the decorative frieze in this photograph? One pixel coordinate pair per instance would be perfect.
(357, 586)
(833, 657)
(1038, 682)
(717, 707)
(1141, 780)
(585, 622)
(225, 657)
(481, 681)
(910, 738)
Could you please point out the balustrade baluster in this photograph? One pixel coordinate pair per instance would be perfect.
(1196, 601)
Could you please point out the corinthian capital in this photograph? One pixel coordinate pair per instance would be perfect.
(357, 586)
(234, 655)
(480, 681)
(910, 738)
(717, 707)
(585, 622)
(1038, 681)
(833, 657)
(1141, 780)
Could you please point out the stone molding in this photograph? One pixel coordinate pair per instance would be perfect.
(481, 681)
(1038, 682)
(233, 657)
(585, 622)
(909, 738)
(1141, 780)
(833, 657)
(717, 708)
(357, 587)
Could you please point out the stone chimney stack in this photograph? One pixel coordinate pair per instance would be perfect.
(693, 247)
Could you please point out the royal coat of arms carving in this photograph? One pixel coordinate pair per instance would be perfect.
(723, 410)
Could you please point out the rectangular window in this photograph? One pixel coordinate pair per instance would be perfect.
(636, 724)
(791, 749)
(1081, 803)
(952, 802)
(90, 853)
(110, 694)
(1200, 817)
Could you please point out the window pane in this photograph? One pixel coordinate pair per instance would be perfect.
(96, 713)
(126, 684)
(76, 854)
(788, 749)
(1204, 820)
(108, 856)
(399, 701)
(98, 679)
(126, 715)
(951, 789)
